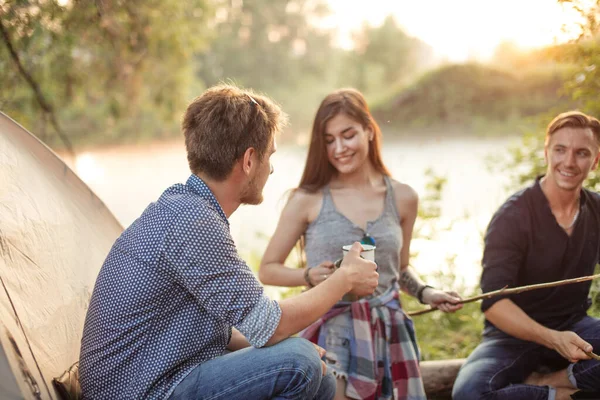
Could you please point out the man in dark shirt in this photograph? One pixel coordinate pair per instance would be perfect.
(173, 294)
(537, 344)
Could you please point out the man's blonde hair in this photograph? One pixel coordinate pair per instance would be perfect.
(574, 119)
(222, 123)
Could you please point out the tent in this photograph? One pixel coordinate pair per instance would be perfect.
(54, 235)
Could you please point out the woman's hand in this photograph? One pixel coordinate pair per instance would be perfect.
(321, 272)
(444, 301)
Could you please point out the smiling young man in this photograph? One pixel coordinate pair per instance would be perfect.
(534, 343)
(173, 294)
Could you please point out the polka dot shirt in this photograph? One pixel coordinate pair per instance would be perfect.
(166, 298)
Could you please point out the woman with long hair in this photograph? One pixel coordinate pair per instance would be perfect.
(345, 195)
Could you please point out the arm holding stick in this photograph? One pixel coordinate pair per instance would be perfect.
(511, 319)
(520, 325)
(507, 291)
(407, 202)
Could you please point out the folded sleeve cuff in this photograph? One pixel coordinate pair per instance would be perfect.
(261, 322)
(487, 303)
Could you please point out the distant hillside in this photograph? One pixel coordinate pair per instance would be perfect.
(472, 98)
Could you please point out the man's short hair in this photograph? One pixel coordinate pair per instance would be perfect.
(574, 119)
(222, 123)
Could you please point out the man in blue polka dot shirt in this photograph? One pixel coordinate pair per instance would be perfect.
(175, 312)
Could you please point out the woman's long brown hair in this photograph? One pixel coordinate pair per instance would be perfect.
(318, 171)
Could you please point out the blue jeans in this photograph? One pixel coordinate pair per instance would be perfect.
(500, 364)
(290, 369)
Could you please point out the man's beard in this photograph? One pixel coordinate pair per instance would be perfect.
(251, 194)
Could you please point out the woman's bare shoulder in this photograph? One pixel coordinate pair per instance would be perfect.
(404, 193)
(305, 203)
(304, 197)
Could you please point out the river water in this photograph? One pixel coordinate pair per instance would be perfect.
(128, 178)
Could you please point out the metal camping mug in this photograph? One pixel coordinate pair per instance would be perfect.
(368, 253)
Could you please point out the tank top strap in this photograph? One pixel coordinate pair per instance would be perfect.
(390, 198)
(327, 205)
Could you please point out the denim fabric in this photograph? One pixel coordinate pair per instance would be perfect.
(288, 370)
(500, 364)
(337, 343)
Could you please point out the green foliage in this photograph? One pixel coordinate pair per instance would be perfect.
(123, 71)
(264, 43)
(585, 84)
(383, 57)
(473, 97)
(430, 207)
(96, 64)
(398, 54)
(272, 47)
(584, 52)
(444, 336)
(441, 335)
(275, 47)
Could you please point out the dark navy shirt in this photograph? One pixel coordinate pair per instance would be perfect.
(166, 298)
(524, 245)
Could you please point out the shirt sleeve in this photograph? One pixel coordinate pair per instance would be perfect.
(260, 324)
(201, 255)
(504, 252)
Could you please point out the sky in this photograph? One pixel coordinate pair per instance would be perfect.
(459, 30)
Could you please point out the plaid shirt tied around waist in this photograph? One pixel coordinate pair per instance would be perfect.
(384, 355)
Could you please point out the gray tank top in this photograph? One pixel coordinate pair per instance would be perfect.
(331, 230)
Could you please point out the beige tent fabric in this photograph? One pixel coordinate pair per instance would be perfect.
(54, 235)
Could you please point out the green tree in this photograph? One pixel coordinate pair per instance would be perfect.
(399, 55)
(273, 46)
(100, 70)
(584, 52)
(384, 57)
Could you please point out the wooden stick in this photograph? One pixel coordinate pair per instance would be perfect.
(506, 291)
(592, 355)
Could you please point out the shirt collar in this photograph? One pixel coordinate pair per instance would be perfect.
(197, 185)
(542, 197)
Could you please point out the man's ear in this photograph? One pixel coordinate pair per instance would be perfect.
(248, 160)
(595, 164)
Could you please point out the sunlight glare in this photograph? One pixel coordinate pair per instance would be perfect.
(461, 30)
(88, 169)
